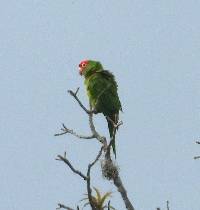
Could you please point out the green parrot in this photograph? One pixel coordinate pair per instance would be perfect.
(102, 92)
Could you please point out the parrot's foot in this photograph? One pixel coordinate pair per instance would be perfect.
(94, 111)
(116, 125)
(119, 123)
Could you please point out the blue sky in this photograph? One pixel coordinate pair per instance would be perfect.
(153, 49)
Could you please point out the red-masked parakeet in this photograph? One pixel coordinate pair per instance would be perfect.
(102, 92)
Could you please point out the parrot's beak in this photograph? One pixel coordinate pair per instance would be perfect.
(80, 71)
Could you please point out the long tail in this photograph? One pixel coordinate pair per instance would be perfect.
(112, 130)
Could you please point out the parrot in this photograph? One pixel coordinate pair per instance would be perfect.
(101, 89)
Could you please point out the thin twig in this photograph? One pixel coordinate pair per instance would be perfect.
(167, 205)
(70, 131)
(100, 138)
(89, 190)
(77, 90)
(197, 157)
(115, 125)
(74, 94)
(96, 159)
(87, 178)
(62, 206)
(64, 159)
(109, 205)
(90, 113)
(107, 153)
(117, 180)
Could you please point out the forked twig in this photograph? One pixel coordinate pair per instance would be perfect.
(70, 131)
(89, 190)
(116, 179)
(66, 161)
(197, 157)
(74, 94)
(62, 206)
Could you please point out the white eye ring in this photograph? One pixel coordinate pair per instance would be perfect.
(84, 65)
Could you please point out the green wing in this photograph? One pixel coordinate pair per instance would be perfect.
(102, 92)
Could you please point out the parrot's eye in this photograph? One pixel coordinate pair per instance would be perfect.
(83, 64)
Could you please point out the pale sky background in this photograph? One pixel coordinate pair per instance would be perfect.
(152, 47)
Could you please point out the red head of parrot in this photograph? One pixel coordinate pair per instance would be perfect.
(82, 66)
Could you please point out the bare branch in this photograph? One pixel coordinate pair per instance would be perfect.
(96, 159)
(70, 131)
(74, 94)
(64, 159)
(87, 178)
(77, 90)
(100, 138)
(114, 176)
(89, 190)
(62, 206)
(167, 205)
(90, 112)
(115, 125)
(117, 180)
(109, 205)
(121, 189)
(197, 157)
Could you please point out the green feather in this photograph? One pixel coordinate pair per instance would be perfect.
(102, 92)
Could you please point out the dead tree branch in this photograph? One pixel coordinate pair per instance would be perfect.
(66, 130)
(121, 189)
(197, 157)
(74, 94)
(64, 159)
(96, 135)
(109, 205)
(90, 113)
(86, 178)
(89, 190)
(167, 205)
(62, 206)
(114, 175)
